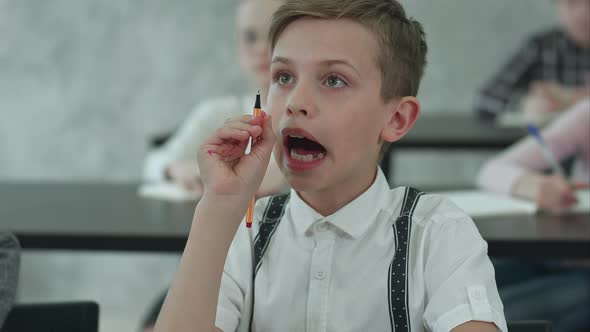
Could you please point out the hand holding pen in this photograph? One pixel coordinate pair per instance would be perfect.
(227, 171)
(553, 192)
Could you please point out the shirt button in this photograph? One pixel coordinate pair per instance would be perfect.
(320, 275)
(323, 227)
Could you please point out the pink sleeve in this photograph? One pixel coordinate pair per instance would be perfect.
(566, 137)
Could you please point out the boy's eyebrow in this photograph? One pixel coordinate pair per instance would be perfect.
(325, 63)
(280, 59)
(328, 63)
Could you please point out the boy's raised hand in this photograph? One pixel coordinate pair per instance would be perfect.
(225, 167)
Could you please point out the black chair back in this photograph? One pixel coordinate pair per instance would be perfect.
(53, 317)
(529, 326)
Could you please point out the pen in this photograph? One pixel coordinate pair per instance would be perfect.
(250, 212)
(534, 131)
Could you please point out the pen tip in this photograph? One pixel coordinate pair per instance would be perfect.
(257, 103)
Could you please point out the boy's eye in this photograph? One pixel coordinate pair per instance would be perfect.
(285, 78)
(335, 82)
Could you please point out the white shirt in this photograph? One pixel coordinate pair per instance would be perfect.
(333, 273)
(200, 124)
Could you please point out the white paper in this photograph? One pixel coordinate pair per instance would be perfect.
(167, 191)
(583, 205)
(520, 120)
(484, 204)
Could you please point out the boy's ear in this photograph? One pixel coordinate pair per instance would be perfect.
(400, 116)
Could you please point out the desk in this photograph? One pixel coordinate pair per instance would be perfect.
(86, 216)
(458, 131)
(90, 216)
(540, 235)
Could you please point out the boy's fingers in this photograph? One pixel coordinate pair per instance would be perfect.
(254, 130)
(247, 118)
(226, 133)
(241, 118)
(227, 152)
(264, 145)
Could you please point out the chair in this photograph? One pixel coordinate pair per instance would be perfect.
(529, 326)
(53, 317)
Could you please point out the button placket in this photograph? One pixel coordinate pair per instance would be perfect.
(319, 281)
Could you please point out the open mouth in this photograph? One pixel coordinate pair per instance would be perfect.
(302, 148)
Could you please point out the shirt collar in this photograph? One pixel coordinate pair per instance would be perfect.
(354, 218)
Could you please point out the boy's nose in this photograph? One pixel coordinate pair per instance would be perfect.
(299, 102)
(294, 109)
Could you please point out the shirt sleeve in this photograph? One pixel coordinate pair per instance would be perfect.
(183, 145)
(504, 91)
(234, 305)
(565, 137)
(9, 267)
(459, 276)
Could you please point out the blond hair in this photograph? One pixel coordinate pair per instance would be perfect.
(402, 53)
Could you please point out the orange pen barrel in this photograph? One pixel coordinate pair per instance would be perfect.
(250, 212)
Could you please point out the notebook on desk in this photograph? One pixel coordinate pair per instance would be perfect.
(518, 119)
(479, 204)
(167, 191)
(583, 205)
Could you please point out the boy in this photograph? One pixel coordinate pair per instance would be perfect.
(342, 252)
(550, 73)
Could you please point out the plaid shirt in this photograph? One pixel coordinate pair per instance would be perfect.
(548, 56)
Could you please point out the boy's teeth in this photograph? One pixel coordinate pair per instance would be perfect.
(296, 136)
(306, 157)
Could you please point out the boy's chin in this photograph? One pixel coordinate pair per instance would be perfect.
(301, 183)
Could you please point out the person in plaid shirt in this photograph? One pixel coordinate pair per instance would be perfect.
(550, 72)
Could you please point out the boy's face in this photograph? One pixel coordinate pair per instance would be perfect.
(326, 87)
(574, 16)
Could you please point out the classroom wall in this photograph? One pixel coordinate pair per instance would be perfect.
(85, 83)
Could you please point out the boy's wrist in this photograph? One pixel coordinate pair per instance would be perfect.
(222, 209)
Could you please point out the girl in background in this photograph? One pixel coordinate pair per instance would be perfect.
(176, 161)
(545, 289)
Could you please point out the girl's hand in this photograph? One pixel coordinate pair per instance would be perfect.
(185, 174)
(555, 193)
(225, 167)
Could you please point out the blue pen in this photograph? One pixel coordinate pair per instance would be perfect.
(534, 131)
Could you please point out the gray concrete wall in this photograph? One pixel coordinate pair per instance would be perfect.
(84, 83)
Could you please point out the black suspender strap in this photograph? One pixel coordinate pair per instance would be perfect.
(397, 274)
(267, 226)
(399, 314)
